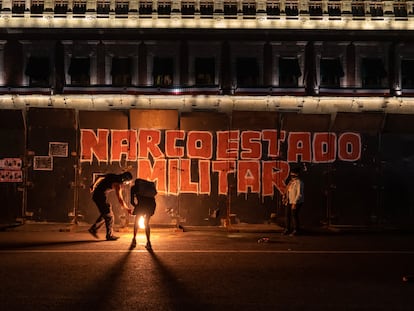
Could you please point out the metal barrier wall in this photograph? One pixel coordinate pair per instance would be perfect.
(201, 186)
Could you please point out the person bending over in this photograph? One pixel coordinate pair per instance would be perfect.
(99, 190)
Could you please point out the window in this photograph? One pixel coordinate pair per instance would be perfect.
(334, 8)
(37, 7)
(145, 7)
(249, 8)
(18, 6)
(187, 7)
(372, 72)
(291, 8)
(273, 8)
(121, 71)
(164, 7)
(79, 6)
(407, 73)
(163, 71)
(61, 6)
(103, 6)
(79, 71)
(315, 8)
(289, 72)
(230, 8)
(331, 72)
(204, 71)
(122, 7)
(400, 9)
(247, 72)
(358, 8)
(375, 9)
(206, 7)
(38, 71)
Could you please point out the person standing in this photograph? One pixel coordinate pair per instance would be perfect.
(143, 199)
(294, 201)
(99, 190)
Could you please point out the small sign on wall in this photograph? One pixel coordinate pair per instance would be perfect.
(11, 170)
(11, 164)
(11, 176)
(57, 149)
(43, 163)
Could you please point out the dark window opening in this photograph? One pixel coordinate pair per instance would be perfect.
(122, 8)
(206, 8)
(38, 71)
(79, 8)
(79, 71)
(376, 10)
(103, 8)
(37, 8)
(372, 72)
(164, 8)
(204, 71)
(289, 72)
(247, 71)
(273, 9)
(334, 10)
(407, 74)
(400, 10)
(249, 9)
(163, 71)
(358, 9)
(315, 9)
(187, 8)
(145, 8)
(18, 8)
(61, 8)
(121, 71)
(331, 72)
(291, 10)
(230, 9)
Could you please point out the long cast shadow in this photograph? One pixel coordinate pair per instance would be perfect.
(101, 294)
(180, 297)
(36, 244)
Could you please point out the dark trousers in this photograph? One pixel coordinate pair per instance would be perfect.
(292, 217)
(106, 215)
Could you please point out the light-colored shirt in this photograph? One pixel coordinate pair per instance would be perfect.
(295, 191)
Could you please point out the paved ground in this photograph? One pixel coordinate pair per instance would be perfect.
(57, 267)
(53, 226)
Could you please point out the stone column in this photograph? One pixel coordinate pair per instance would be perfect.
(142, 64)
(100, 63)
(226, 84)
(59, 81)
(350, 65)
(267, 65)
(13, 66)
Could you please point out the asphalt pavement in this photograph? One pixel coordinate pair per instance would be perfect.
(60, 266)
(36, 226)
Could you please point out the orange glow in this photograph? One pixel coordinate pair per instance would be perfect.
(141, 222)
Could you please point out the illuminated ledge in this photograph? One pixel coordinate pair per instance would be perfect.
(225, 104)
(263, 22)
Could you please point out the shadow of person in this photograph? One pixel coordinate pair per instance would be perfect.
(104, 292)
(177, 294)
(13, 245)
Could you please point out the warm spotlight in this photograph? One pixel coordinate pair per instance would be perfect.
(141, 222)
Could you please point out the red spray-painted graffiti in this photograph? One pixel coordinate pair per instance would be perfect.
(174, 157)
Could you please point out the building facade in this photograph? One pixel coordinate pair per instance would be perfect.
(215, 101)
